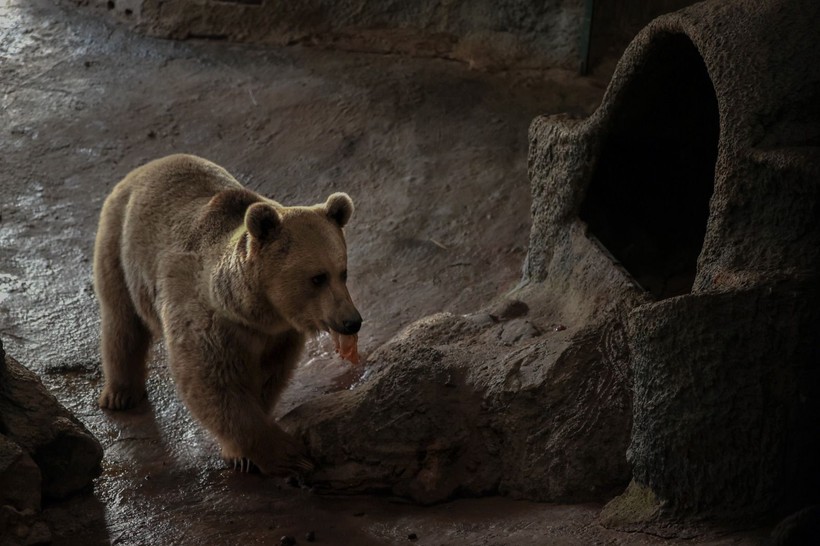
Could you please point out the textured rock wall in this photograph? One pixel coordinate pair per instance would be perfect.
(484, 33)
(726, 381)
(738, 372)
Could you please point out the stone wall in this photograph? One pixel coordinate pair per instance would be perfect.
(483, 33)
(698, 175)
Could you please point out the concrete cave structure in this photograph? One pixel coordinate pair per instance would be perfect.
(666, 332)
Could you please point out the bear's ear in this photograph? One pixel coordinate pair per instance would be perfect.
(263, 222)
(339, 208)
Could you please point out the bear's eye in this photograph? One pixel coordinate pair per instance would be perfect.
(319, 280)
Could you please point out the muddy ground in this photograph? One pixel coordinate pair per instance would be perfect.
(433, 154)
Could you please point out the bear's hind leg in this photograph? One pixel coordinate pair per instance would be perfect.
(125, 343)
(125, 337)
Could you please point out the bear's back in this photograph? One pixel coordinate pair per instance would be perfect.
(165, 209)
(167, 197)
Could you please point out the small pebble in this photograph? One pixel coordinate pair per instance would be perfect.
(287, 541)
(310, 536)
(412, 536)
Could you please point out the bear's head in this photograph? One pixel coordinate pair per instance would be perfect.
(298, 256)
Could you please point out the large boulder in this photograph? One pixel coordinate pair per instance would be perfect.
(481, 404)
(45, 453)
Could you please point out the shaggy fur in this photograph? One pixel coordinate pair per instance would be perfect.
(233, 281)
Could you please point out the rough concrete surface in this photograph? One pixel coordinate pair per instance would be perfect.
(484, 33)
(432, 153)
(759, 408)
(698, 175)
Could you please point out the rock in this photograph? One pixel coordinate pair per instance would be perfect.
(22, 528)
(550, 421)
(39, 534)
(637, 505)
(802, 527)
(45, 454)
(418, 452)
(67, 455)
(518, 329)
(564, 414)
(509, 309)
(696, 181)
(20, 482)
(725, 412)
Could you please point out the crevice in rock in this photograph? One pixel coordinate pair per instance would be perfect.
(648, 198)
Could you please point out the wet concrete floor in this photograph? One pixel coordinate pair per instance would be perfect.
(433, 154)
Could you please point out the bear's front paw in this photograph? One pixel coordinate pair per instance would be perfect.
(121, 398)
(289, 467)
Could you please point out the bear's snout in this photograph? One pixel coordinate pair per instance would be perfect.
(350, 325)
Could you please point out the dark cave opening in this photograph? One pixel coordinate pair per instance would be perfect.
(648, 199)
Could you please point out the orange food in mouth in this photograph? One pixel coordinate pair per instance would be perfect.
(346, 346)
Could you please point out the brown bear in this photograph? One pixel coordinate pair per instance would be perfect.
(233, 281)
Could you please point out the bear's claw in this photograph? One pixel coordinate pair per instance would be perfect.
(246, 466)
(243, 464)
